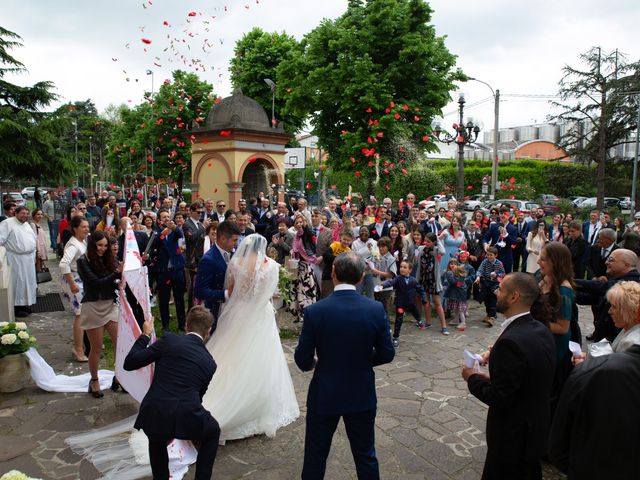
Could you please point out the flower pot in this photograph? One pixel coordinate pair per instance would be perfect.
(14, 373)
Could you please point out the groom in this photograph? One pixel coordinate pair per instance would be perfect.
(212, 269)
(172, 408)
(343, 337)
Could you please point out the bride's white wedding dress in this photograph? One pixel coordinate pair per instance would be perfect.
(251, 392)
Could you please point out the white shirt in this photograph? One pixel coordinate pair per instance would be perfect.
(225, 255)
(344, 286)
(605, 252)
(196, 334)
(593, 232)
(73, 250)
(508, 321)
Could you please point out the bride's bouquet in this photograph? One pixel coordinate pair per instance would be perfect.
(285, 277)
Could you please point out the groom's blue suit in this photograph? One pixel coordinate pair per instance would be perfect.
(209, 284)
(349, 335)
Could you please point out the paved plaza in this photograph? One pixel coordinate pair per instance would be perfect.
(428, 425)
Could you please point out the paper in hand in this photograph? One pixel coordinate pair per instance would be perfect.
(472, 360)
(575, 348)
(377, 288)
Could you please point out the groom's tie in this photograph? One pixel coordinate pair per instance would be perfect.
(226, 257)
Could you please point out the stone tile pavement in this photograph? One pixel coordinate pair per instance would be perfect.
(428, 426)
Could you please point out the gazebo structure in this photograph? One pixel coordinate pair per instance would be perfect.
(237, 153)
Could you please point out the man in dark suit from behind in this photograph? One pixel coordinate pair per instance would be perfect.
(343, 337)
(586, 443)
(172, 408)
(518, 385)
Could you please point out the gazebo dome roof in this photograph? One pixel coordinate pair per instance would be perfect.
(240, 112)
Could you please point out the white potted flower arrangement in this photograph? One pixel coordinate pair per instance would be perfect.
(16, 475)
(15, 339)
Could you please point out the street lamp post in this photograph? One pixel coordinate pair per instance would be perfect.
(465, 134)
(496, 115)
(150, 72)
(272, 87)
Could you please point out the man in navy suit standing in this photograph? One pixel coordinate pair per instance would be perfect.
(212, 269)
(343, 337)
(172, 408)
(503, 236)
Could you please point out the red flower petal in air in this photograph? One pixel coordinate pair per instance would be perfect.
(215, 190)
(209, 164)
(225, 133)
(252, 159)
(165, 23)
(146, 41)
(191, 14)
(308, 186)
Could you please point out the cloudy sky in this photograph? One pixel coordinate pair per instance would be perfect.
(94, 49)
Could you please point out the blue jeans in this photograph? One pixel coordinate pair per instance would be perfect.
(365, 287)
(54, 227)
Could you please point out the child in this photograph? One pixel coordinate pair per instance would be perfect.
(457, 282)
(489, 276)
(428, 275)
(463, 257)
(335, 249)
(406, 288)
(385, 269)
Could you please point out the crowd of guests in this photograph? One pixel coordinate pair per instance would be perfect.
(419, 257)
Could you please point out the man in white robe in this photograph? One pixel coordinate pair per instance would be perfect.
(17, 236)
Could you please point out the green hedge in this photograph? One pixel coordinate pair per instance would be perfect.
(532, 177)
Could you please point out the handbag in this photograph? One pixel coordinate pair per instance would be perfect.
(43, 275)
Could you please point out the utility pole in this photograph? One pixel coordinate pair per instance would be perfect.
(496, 136)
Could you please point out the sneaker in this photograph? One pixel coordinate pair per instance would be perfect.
(395, 343)
(152, 302)
(445, 331)
(485, 320)
(490, 321)
(421, 325)
(461, 327)
(427, 325)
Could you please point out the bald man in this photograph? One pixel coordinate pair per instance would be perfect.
(622, 266)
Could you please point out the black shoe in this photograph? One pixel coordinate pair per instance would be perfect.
(95, 393)
(20, 313)
(28, 310)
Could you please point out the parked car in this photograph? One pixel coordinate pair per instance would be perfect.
(16, 197)
(549, 203)
(591, 203)
(475, 201)
(437, 201)
(576, 200)
(625, 203)
(28, 192)
(515, 205)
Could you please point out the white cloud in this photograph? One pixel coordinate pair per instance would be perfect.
(518, 47)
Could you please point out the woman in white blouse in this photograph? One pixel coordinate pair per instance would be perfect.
(71, 282)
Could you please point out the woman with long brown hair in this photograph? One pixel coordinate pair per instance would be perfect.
(556, 286)
(100, 274)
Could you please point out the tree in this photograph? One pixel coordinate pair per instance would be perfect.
(29, 138)
(371, 82)
(597, 109)
(257, 57)
(161, 125)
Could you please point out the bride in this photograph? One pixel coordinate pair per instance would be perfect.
(251, 392)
